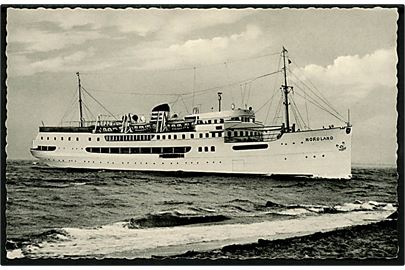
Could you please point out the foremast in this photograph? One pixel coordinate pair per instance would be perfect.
(286, 90)
(80, 99)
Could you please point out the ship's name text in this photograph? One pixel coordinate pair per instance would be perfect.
(319, 139)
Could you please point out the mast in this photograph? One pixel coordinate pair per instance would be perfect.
(285, 88)
(80, 100)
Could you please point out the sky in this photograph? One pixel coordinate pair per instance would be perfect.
(133, 59)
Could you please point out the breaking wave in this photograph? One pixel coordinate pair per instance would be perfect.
(173, 218)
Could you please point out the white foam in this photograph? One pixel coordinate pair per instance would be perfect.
(15, 254)
(116, 240)
(294, 212)
(358, 205)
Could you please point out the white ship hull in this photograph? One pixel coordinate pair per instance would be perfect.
(323, 153)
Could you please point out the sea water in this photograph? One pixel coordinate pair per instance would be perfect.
(61, 213)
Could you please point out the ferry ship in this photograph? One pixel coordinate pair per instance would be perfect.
(226, 141)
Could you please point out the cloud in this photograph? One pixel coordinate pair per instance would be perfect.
(21, 65)
(203, 50)
(353, 76)
(140, 21)
(37, 40)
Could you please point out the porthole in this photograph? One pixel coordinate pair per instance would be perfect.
(61, 138)
(323, 155)
(89, 139)
(98, 139)
(314, 156)
(285, 158)
(77, 138)
(54, 138)
(42, 138)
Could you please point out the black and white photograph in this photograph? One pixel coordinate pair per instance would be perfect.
(202, 134)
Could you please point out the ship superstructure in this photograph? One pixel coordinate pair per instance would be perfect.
(225, 141)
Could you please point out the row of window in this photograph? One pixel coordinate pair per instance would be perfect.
(139, 150)
(215, 121)
(192, 136)
(206, 149)
(68, 138)
(243, 133)
(126, 138)
(46, 148)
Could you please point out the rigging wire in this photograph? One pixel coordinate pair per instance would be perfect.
(191, 67)
(195, 92)
(319, 95)
(295, 116)
(69, 107)
(320, 106)
(89, 112)
(316, 103)
(298, 113)
(99, 103)
(278, 109)
(184, 104)
(306, 110)
(274, 87)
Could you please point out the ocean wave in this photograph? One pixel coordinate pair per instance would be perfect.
(302, 209)
(173, 202)
(119, 241)
(173, 218)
